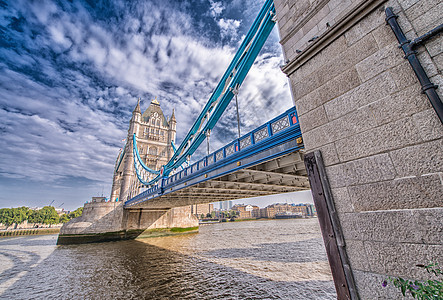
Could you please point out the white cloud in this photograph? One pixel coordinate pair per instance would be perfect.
(216, 8)
(228, 28)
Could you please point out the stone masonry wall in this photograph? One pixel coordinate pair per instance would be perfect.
(360, 104)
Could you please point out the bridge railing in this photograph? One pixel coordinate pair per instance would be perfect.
(286, 121)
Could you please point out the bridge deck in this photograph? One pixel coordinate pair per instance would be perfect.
(266, 161)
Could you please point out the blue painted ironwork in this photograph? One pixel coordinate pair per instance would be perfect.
(139, 160)
(120, 159)
(175, 182)
(222, 95)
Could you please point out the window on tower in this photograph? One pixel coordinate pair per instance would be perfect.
(153, 151)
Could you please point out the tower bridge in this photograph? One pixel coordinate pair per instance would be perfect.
(266, 161)
(363, 76)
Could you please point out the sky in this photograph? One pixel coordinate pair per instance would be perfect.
(71, 73)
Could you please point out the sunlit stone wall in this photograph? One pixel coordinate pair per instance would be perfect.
(360, 104)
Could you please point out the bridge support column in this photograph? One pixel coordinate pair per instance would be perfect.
(109, 221)
(156, 222)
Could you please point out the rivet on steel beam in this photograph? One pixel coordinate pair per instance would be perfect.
(299, 140)
(206, 175)
(239, 163)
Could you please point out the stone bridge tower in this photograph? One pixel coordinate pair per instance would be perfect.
(154, 133)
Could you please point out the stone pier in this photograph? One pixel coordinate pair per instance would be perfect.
(109, 221)
(360, 104)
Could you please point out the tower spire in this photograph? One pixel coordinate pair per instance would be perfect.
(137, 107)
(173, 115)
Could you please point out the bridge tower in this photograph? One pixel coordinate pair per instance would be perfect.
(154, 133)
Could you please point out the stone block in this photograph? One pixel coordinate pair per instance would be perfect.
(435, 47)
(399, 105)
(419, 159)
(429, 20)
(438, 60)
(400, 259)
(421, 8)
(339, 8)
(402, 226)
(384, 36)
(339, 85)
(342, 201)
(329, 154)
(368, 92)
(313, 119)
(428, 125)
(404, 193)
(370, 169)
(357, 255)
(329, 53)
(332, 68)
(405, 25)
(307, 102)
(438, 80)
(405, 4)
(382, 60)
(390, 136)
(317, 137)
(404, 76)
(336, 176)
(365, 26)
(369, 286)
(427, 63)
(361, 171)
(348, 125)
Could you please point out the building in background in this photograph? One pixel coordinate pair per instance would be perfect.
(225, 205)
(246, 211)
(202, 209)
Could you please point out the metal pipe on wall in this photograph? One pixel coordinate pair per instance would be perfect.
(406, 45)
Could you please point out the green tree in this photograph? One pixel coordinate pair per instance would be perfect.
(6, 216)
(49, 215)
(64, 218)
(34, 216)
(76, 213)
(20, 214)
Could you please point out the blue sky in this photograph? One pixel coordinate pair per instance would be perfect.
(71, 73)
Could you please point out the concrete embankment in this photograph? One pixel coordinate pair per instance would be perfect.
(35, 231)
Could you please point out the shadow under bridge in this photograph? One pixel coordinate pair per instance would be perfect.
(265, 161)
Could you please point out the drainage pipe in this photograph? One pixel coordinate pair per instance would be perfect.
(406, 45)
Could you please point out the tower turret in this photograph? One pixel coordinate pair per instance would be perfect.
(128, 168)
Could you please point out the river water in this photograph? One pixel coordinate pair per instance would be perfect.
(273, 259)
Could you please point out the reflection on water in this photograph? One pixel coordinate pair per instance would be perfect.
(278, 259)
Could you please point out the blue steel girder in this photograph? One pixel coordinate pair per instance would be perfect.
(233, 78)
(138, 162)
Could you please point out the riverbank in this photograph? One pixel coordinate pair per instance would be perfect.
(34, 231)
